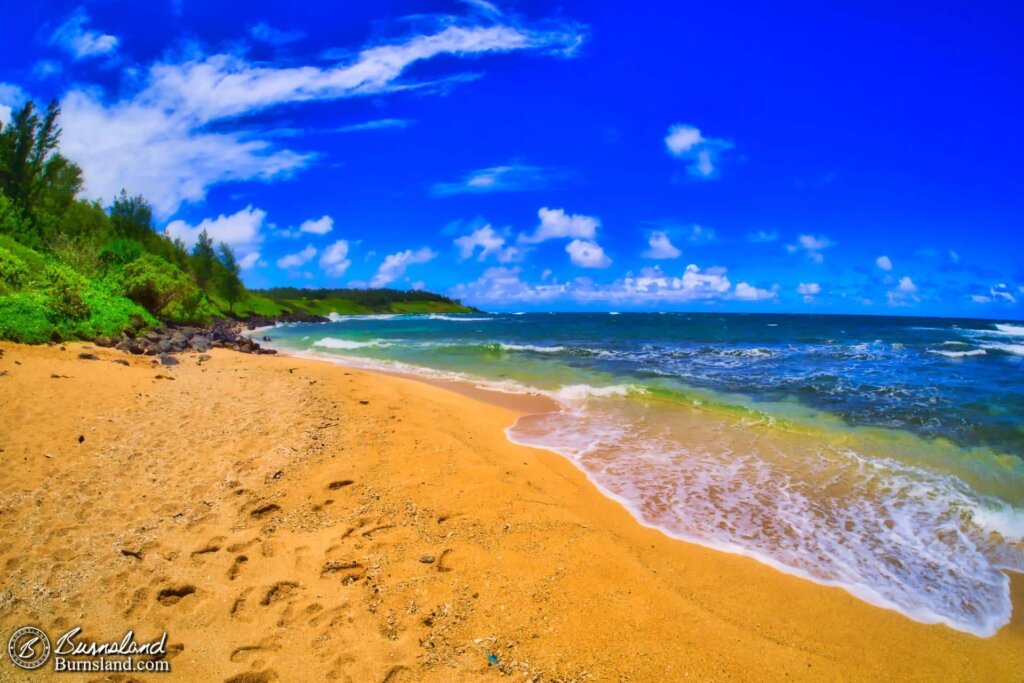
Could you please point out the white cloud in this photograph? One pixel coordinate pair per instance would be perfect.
(394, 265)
(651, 287)
(320, 226)
(884, 262)
(80, 41)
(808, 290)
(587, 254)
(904, 293)
(701, 235)
(557, 224)
(249, 260)
(981, 299)
(661, 247)
(11, 97)
(239, 230)
(508, 178)
(334, 260)
(265, 33)
(172, 138)
(376, 124)
(1001, 291)
(701, 154)
(762, 236)
(747, 292)
(812, 246)
(297, 259)
(484, 238)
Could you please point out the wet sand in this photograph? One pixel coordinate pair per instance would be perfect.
(288, 519)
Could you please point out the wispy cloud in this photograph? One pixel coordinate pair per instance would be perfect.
(763, 236)
(811, 246)
(299, 258)
(702, 154)
(884, 263)
(508, 178)
(80, 41)
(183, 111)
(377, 124)
(661, 247)
(266, 33)
(395, 265)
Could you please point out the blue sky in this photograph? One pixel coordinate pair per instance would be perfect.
(811, 157)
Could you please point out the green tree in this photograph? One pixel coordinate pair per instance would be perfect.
(132, 217)
(230, 285)
(155, 284)
(33, 174)
(204, 261)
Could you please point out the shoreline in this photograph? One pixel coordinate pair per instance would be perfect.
(525, 550)
(527, 405)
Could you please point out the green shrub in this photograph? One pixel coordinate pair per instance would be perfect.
(66, 289)
(25, 318)
(13, 271)
(155, 284)
(120, 252)
(76, 252)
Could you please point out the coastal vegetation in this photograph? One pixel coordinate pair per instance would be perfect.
(72, 268)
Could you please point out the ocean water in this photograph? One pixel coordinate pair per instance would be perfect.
(881, 455)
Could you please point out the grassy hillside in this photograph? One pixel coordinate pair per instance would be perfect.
(74, 269)
(355, 301)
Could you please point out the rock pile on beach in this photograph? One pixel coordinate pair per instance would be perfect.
(223, 334)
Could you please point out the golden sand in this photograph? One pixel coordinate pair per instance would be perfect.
(291, 520)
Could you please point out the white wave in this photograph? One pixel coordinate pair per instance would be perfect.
(896, 537)
(1014, 349)
(1004, 520)
(348, 344)
(958, 354)
(577, 392)
(531, 347)
(1012, 330)
(613, 313)
(456, 318)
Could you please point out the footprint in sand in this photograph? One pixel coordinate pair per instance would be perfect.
(174, 594)
(282, 590)
(236, 567)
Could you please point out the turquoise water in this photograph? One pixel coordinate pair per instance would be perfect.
(881, 455)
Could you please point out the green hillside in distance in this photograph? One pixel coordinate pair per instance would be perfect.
(284, 300)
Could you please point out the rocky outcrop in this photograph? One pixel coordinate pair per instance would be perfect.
(221, 334)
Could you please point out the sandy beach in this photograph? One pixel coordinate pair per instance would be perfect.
(288, 519)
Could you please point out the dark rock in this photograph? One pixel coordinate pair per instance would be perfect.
(88, 356)
(266, 337)
(427, 559)
(166, 359)
(203, 357)
(122, 361)
(105, 342)
(200, 343)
